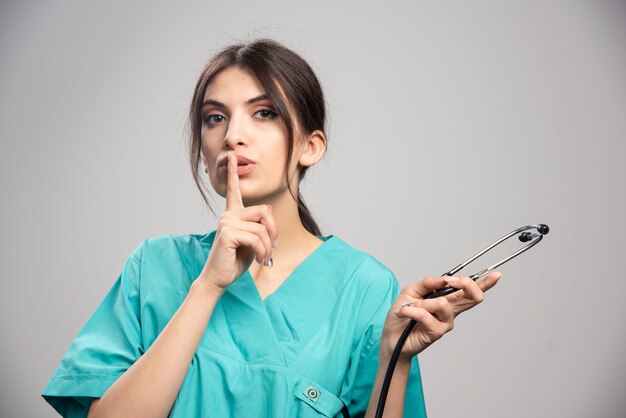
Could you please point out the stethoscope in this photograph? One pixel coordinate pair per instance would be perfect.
(525, 235)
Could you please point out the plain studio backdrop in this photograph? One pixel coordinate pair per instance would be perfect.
(451, 124)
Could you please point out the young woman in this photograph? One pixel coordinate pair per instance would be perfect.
(264, 316)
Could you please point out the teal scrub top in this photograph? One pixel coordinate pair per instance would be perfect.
(305, 351)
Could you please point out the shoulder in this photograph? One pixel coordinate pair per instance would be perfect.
(368, 292)
(366, 275)
(166, 261)
(165, 247)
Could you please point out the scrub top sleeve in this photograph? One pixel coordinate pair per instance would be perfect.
(366, 362)
(108, 344)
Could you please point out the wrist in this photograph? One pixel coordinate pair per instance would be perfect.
(386, 352)
(205, 287)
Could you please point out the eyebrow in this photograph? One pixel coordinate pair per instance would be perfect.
(248, 102)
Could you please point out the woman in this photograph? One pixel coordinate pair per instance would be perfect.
(264, 316)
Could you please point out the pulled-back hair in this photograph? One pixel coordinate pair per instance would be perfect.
(277, 68)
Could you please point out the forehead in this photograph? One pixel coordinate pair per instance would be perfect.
(233, 84)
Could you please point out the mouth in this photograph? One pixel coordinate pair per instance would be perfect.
(244, 165)
(241, 161)
(242, 169)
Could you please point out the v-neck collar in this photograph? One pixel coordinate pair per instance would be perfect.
(242, 304)
(296, 271)
(244, 287)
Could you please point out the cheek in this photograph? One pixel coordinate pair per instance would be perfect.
(211, 139)
(209, 146)
(208, 159)
(215, 182)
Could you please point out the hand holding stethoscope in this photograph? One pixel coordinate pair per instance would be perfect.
(433, 317)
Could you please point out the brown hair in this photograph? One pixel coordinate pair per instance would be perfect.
(275, 67)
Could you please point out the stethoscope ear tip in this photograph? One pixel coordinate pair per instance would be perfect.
(527, 236)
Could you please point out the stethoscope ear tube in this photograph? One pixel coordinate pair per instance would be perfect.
(524, 236)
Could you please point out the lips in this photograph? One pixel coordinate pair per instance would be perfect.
(241, 161)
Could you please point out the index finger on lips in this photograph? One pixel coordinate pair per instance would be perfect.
(233, 194)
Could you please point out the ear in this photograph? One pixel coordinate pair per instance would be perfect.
(313, 148)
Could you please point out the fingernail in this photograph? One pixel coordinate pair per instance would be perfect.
(407, 304)
(270, 263)
(275, 243)
(451, 279)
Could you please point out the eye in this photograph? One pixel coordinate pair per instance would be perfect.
(213, 119)
(266, 114)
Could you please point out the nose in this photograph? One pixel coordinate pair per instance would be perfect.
(236, 133)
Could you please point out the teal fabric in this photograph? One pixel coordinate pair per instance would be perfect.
(305, 351)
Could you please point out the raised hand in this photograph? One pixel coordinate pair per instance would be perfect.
(243, 234)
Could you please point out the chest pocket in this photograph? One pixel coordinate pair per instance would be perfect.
(316, 401)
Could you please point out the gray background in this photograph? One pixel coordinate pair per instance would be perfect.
(452, 123)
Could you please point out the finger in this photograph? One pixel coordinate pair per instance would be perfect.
(470, 288)
(257, 229)
(402, 301)
(262, 214)
(439, 308)
(424, 287)
(233, 194)
(253, 241)
(431, 324)
(241, 238)
(490, 281)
